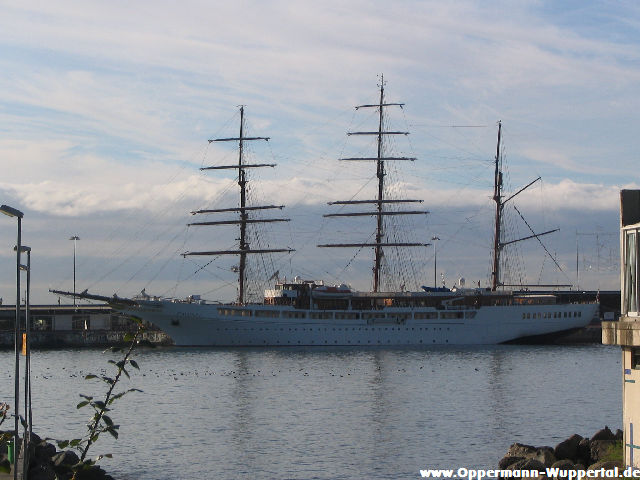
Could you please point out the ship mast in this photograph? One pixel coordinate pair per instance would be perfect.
(497, 197)
(498, 244)
(380, 201)
(244, 219)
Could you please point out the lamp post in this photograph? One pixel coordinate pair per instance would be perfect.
(75, 238)
(12, 212)
(27, 366)
(434, 239)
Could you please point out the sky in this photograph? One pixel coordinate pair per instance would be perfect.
(106, 109)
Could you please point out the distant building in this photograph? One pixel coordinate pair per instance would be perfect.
(69, 325)
(626, 332)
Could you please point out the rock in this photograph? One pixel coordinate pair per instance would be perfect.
(604, 434)
(66, 457)
(600, 449)
(610, 465)
(44, 451)
(566, 465)
(92, 473)
(545, 456)
(520, 450)
(42, 471)
(584, 452)
(568, 449)
(527, 464)
(506, 461)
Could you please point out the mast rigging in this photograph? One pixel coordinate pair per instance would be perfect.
(380, 213)
(243, 246)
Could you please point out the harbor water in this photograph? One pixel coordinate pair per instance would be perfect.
(326, 413)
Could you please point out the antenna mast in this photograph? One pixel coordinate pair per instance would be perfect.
(380, 201)
(243, 246)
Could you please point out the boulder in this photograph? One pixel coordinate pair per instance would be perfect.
(520, 450)
(568, 449)
(42, 471)
(44, 451)
(66, 457)
(506, 461)
(584, 452)
(566, 465)
(609, 465)
(545, 456)
(92, 473)
(600, 449)
(604, 434)
(527, 464)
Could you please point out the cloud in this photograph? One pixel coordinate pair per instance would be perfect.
(106, 108)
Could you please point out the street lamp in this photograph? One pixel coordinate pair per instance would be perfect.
(434, 239)
(27, 365)
(12, 212)
(75, 238)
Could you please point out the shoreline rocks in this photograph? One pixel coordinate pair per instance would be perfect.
(574, 453)
(46, 462)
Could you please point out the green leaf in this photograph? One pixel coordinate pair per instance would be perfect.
(124, 370)
(90, 376)
(80, 405)
(107, 420)
(62, 444)
(99, 404)
(129, 337)
(86, 396)
(108, 380)
(134, 364)
(111, 361)
(75, 442)
(113, 432)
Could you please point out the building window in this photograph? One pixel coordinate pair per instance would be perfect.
(635, 358)
(42, 323)
(630, 273)
(80, 322)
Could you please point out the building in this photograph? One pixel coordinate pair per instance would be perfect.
(69, 325)
(626, 332)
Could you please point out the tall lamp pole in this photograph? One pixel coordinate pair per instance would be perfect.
(12, 212)
(75, 238)
(434, 239)
(27, 365)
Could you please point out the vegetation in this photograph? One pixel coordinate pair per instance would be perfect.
(5, 466)
(615, 453)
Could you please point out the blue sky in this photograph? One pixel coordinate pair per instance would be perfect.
(105, 109)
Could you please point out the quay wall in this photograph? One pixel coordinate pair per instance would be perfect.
(84, 338)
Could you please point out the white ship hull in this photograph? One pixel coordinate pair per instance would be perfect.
(193, 324)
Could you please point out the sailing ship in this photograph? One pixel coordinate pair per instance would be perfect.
(309, 313)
